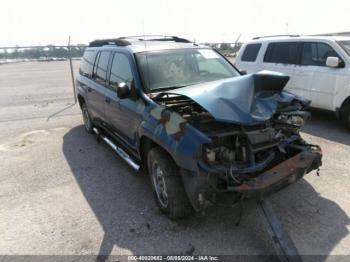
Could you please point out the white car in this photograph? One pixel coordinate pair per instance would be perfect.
(319, 67)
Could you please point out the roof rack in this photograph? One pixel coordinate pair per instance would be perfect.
(116, 41)
(156, 38)
(268, 36)
(126, 40)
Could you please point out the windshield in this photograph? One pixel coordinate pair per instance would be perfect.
(171, 69)
(346, 46)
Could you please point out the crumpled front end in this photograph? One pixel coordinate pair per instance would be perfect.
(241, 154)
(253, 129)
(254, 160)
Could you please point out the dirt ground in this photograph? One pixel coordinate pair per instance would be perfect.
(63, 193)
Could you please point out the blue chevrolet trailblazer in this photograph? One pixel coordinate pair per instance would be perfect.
(193, 122)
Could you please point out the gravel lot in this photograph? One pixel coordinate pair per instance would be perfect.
(63, 193)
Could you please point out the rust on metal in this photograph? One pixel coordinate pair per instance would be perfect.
(173, 123)
(289, 171)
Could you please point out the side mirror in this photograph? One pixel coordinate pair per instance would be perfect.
(243, 72)
(123, 90)
(332, 61)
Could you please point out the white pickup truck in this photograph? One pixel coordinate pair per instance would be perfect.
(319, 67)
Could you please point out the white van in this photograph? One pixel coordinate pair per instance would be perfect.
(319, 67)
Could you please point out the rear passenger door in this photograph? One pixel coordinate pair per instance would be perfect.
(123, 115)
(282, 57)
(96, 93)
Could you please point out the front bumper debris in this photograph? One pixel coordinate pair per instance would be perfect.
(282, 174)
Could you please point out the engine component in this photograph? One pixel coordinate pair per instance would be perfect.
(291, 120)
(220, 154)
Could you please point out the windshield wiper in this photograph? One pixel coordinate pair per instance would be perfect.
(166, 88)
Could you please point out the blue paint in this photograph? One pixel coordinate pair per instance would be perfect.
(242, 100)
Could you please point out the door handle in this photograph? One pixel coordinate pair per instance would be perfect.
(108, 100)
(89, 89)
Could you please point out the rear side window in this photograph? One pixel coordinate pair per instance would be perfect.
(100, 70)
(87, 63)
(316, 54)
(283, 53)
(251, 52)
(120, 71)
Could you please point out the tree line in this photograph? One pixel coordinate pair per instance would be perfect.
(226, 48)
(41, 51)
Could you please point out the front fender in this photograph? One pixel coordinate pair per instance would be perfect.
(342, 92)
(80, 86)
(175, 135)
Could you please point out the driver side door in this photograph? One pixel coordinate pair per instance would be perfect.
(123, 115)
(314, 74)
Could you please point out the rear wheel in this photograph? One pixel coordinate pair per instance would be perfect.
(167, 184)
(345, 116)
(87, 119)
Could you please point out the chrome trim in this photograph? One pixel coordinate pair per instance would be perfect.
(119, 151)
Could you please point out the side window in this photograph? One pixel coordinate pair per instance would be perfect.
(251, 52)
(316, 54)
(87, 63)
(120, 71)
(95, 65)
(283, 53)
(100, 70)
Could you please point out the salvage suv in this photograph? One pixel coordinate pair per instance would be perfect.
(188, 117)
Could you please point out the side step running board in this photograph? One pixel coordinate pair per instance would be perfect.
(119, 151)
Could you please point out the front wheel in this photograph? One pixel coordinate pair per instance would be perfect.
(167, 184)
(345, 116)
(87, 119)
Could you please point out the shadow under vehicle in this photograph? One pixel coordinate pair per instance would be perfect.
(130, 220)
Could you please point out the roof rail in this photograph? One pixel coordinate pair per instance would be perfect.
(116, 41)
(156, 38)
(267, 36)
(126, 40)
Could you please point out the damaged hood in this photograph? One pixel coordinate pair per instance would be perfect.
(245, 100)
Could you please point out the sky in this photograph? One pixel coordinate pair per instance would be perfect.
(41, 22)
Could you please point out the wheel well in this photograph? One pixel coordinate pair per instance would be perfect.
(81, 100)
(345, 103)
(147, 144)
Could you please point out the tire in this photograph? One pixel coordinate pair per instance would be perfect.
(87, 119)
(167, 184)
(345, 115)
